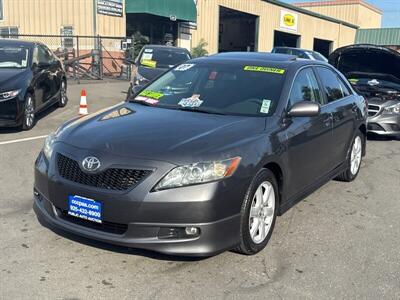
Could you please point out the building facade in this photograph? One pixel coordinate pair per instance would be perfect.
(225, 25)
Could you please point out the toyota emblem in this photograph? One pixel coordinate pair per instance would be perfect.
(91, 164)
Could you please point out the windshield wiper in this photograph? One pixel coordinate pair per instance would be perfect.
(200, 110)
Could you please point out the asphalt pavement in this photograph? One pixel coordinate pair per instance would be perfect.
(342, 242)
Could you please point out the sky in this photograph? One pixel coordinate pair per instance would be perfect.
(391, 10)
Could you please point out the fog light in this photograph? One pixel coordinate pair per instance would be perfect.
(192, 231)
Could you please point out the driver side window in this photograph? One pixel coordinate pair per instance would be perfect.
(44, 56)
(305, 88)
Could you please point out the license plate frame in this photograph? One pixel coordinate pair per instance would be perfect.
(85, 208)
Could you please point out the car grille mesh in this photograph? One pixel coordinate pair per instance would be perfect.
(110, 179)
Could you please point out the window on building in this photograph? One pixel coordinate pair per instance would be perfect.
(9, 32)
(67, 40)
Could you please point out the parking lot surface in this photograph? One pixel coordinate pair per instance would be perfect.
(343, 241)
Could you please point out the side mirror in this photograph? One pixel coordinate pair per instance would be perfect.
(305, 109)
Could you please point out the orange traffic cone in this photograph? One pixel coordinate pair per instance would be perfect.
(83, 108)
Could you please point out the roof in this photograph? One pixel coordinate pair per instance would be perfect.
(14, 42)
(379, 36)
(261, 56)
(310, 13)
(338, 2)
(164, 47)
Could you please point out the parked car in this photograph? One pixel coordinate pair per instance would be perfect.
(374, 72)
(31, 80)
(301, 53)
(205, 157)
(153, 60)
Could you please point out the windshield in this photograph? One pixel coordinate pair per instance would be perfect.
(218, 88)
(163, 58)
(14, 57)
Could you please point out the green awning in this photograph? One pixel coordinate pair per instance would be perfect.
(180, 9)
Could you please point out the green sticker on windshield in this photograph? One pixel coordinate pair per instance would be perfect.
(151, 94)
(353, 80)
(264, 69)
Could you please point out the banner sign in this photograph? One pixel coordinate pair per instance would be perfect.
(289, 20)
(113, 8)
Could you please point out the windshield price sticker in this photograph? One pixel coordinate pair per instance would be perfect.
(148, 50)
(264, 69)
(265, 106)
(193, 101)
(151, 95)
(184, 67)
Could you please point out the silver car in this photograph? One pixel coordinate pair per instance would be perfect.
(374, 72)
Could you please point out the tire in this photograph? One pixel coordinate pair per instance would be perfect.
(29, 119)
(354, 160)
(252, 240)
(63, 99)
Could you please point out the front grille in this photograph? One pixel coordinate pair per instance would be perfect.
(110, 179)
(109, 227)
(373, 110)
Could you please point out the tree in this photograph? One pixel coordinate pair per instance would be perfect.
(200, 50)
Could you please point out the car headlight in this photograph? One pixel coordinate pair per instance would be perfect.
(394, 109)
(49, 145)
(198, 173)
(9, 95)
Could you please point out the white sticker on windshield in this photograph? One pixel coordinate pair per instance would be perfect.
(193, 101)
(148, 50)
(266, 104)
(147, 56)
(184, 67)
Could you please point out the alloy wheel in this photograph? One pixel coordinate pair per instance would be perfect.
(29, 112)
(262, 212)
(63, 92)
(356, 154)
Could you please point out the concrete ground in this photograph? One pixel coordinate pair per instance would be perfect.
(342, 242)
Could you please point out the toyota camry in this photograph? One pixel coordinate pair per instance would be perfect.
(204, 158)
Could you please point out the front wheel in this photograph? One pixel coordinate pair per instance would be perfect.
(354, 160)
(63, 99)
(258, 213)
(29, 118)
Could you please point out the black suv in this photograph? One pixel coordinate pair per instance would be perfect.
(204, 158)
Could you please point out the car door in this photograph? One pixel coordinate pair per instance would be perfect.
(39, 78)
(46, 78)
(308, 138)
(54, 69)
(341, 103)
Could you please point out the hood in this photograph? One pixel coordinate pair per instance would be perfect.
(374, 71)
(179, 137)
(9, 77)
(150, 73)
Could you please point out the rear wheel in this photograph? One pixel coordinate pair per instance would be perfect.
(258, 213)
(29, 118)
(63, 100)
(354, 160)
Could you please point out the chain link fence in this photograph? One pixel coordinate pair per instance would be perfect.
(87, 57)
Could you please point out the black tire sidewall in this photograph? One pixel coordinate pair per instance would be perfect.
(246, 240)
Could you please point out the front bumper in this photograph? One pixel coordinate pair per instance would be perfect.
(11, 112)
(384, 125)
(140, 218)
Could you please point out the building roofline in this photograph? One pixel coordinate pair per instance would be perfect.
(310, 13)
(339, 2)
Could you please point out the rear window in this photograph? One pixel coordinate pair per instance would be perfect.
(334, 88)
(162, 58)
(218, 88)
